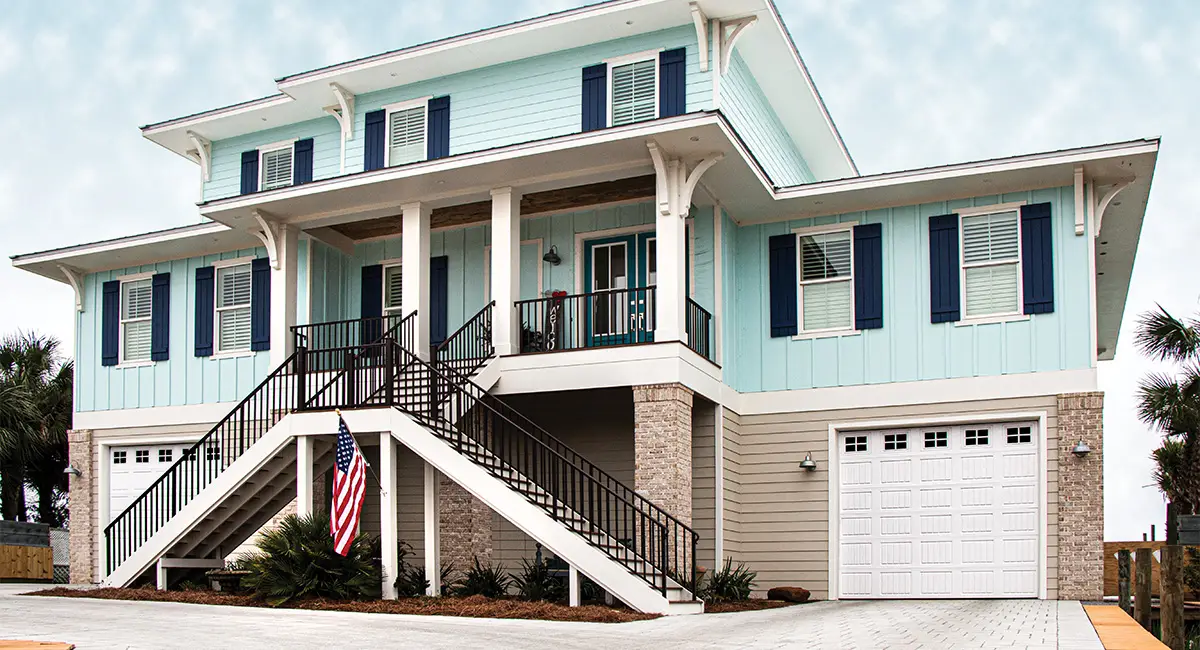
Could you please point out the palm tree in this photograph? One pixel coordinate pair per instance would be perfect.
(16, 411)
(1170, 402)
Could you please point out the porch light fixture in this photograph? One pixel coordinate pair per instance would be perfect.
(71, 470)
(808, 464)
(1081, 449)
(552, 257)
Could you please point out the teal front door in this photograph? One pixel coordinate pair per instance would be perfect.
(616, 272)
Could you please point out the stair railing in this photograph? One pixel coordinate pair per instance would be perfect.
(203, 462)
(469, 347)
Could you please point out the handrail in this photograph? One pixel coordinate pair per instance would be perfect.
(268, 403)
(470, 346)
(697, 325)
(585, 320)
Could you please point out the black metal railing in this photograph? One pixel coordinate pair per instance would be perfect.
(470, 346)
(337, 372)
(348, 334)
(575, 322)
(199, 465)
(698, 324)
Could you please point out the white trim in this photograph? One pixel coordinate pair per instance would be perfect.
(637, 57)
(157, 416)
(276, 146)
(263, 151)
(233, 354)
(1013, 206)
(237, 261)
(581, 237)
(991, 318)
(122, 362)
(384, 266)
(1019, 263)
(135, 276)
(127, 365)
(409, 104)
(700, 21)
(218, 353)
(801, 333)
(826, 333)
(834, 507)
(719, 281)
(729, 42)
(75, 278)
(714, 27)
(1093, 311)
(122, 243)
(827, 228)
(633, 57)
(203, 154)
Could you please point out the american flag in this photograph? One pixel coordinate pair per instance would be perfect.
(349, 484)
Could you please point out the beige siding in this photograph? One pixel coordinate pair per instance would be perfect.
(704, 510)
(779, 521)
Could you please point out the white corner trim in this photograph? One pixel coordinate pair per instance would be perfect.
(75, 279)
(701, 23)
(158, 416)
(1080, 210)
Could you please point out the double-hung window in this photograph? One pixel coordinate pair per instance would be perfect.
(233, 308)
(633, 87)
(826, 281)
(276, 162)
(392, 290)
(991, 263)
(135, 320)
(406, 126)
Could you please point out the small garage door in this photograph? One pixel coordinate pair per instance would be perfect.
(939, 512)
(134, 468)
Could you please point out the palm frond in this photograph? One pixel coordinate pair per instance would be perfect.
(1164, 337)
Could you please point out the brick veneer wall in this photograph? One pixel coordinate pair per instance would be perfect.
(1080, 497)
(662, 447)
(466, 527)
(82, 503)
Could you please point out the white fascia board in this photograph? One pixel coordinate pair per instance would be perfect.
(159, 416)
(147, 239)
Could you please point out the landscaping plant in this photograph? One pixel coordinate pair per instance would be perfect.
(537, 582)
(297, 561)
(490, 581)
(729, 584)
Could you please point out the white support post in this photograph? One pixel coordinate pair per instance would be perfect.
(389, 530)
(719, 485)
(304, 476)
(573, 586)
(506, 269)
(283, 292)
(415, 272)
(161, 576)
(433, 545)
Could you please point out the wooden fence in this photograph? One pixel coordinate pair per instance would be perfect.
(1110, 565)
(25, 553)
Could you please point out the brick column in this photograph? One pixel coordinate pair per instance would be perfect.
(1081, 497)
(82, 502)
(662, 447)
(466, 527)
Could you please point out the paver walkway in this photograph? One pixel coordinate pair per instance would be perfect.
(1028, 624)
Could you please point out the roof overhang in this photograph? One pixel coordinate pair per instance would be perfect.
(769, 52)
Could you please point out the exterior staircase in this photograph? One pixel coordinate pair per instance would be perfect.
(240, 474)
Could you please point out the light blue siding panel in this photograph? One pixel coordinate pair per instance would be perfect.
(851, 360)
(747, 109)
(825, 362)
(226, 176)
(303, 306)
(531, 260)
(703, 260)
(752, 282)
(730, 235)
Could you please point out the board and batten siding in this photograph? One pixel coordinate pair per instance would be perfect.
(184, 378)
(751, 115)
(908, 347)
(511, 103)
(783, 526)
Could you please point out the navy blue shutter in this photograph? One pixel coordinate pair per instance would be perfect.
(782, 269)
(205, 295)
(249, 172)
(302, 161)
(439, 299)
(595, 97)
(160, 317)
(943, 269)
(375, 136)
(437, 135)
(1037, 258)
(110, 323)
(260, 304)
(868, 276)
(372, 302)
(672, 84)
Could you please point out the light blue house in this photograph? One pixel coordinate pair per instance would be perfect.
(607, 281)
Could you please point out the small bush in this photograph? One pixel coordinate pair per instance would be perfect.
(412, 583)
(727, 585)
(297, 561)
(490, 581)
(537, 582)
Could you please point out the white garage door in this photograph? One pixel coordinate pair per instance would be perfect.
(939, 512)
(134, 468)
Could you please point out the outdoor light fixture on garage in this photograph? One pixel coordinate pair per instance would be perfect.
(1081, 449)
(808, 463)
(71, 470)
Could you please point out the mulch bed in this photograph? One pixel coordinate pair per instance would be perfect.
(745, 606)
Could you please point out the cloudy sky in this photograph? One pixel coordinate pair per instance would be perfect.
(909, 83)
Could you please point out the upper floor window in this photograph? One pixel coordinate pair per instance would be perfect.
(991, 264)
(392, 289)
(633, 87)
(406, 135)
(826, 281)
(135, 320)
(233, 308)
(276, 163)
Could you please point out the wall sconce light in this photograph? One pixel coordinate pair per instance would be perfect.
(1081, 449)
(71, 470)
(552, 257)
(808, 464)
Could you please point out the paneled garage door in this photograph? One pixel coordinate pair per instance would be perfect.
(134, 468)
(940, 512)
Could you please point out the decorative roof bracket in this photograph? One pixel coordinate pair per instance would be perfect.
(729, 39)
(1105, 201)
(673, 184)
(343, 112)
(701, 22)
(202, 154)
(269, 236)
(75, 279)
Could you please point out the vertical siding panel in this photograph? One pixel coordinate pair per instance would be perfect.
(774, 375)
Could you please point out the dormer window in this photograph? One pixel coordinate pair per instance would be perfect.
(633, 87)
(276, 164)
(406, 135)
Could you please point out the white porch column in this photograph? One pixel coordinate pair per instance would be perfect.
(415, 272)
(304, 476)
(389, 530)
(433, 546)
(573, 586)
(283, 292)
(506, 269)
(672, 268)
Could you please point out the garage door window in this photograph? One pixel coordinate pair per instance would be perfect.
(856, 443)
(895, 441)
(118, 458)
(164, 455)
(142, 455)
(1017, 435)
(976, 437)
(935, 438)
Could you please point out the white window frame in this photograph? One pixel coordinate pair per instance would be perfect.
(262, 168)
(121, 362)
(387, 127)
(218, 353)
(801, 333)
(1017, 315)
(647, 55)
(384, 309)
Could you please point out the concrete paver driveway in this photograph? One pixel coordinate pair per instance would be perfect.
(847, 624)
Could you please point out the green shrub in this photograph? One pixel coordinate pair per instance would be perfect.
(728, 584)
(490, 581)
(297, 561)
(537, 582)
(412, 583)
